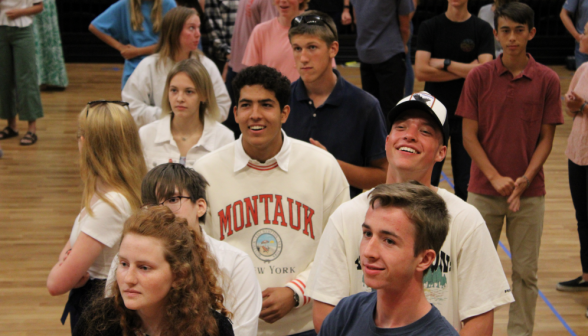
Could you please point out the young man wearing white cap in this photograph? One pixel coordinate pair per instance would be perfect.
(466, 281)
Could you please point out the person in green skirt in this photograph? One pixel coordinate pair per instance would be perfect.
(48, 51)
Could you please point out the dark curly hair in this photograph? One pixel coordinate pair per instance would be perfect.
(270, 78)
(196, 292)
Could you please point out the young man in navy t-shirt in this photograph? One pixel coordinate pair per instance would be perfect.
(404, 228)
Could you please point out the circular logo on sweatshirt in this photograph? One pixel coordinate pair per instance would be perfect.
(467, 45)
(266, 244)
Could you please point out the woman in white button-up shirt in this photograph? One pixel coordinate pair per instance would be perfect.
(189, 128)
(180, 34)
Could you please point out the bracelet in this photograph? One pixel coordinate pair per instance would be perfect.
(526, 179)
(346, 6)
(582, 107)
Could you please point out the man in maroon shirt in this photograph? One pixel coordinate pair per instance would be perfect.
(510, 108)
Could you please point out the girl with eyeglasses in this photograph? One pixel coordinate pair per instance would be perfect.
(111, 167)
(188, 128)
(180, 34)
(165, 284)
(183, 191)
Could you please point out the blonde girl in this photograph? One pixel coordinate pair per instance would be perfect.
(132, 27)
(111, 168)
(180, 35)
(188, 128)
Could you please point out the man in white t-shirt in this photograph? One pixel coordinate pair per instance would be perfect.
(466, 281)
(271, 197)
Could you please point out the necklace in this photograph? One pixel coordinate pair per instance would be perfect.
(184, 140)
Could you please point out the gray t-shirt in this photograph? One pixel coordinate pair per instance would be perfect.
(580, 9)
(378, 35)
(354, 315)
(487, 14)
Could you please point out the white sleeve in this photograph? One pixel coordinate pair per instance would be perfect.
(336, 191)
(482, 283)
(223, 99)
(298, 285)
(111, 277)
(243, 297)
(107, 224)
(329, 277)
(138, 92)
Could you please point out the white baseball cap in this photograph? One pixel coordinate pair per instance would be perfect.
(423, 101)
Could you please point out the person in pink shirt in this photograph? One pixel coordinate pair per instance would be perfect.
(249, 15)
(269, 44)
(577, 153)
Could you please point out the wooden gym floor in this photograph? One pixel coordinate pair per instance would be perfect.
(40, 192)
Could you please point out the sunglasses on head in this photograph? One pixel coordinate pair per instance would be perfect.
(311, 20)
(98, 102)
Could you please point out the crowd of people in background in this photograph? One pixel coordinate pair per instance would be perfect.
(242, 186)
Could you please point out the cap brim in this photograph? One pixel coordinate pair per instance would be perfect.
(420, 106)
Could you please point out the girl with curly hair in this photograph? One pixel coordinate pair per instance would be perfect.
(165, 283)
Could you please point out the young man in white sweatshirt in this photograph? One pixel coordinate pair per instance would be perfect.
(271, 196)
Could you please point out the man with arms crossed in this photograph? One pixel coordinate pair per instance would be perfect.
(510, 107)
(271, 196)
(330, 112)
(449, 46)
(404, 228)
(466, 281)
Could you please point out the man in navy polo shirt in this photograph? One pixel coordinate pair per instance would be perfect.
(330, 112)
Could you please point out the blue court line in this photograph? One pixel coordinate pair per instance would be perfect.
(559, 317)
(444, 177)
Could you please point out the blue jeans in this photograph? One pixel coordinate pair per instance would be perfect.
(580, 57)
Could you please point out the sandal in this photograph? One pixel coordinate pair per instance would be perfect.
(8, 133)
(29, 139)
